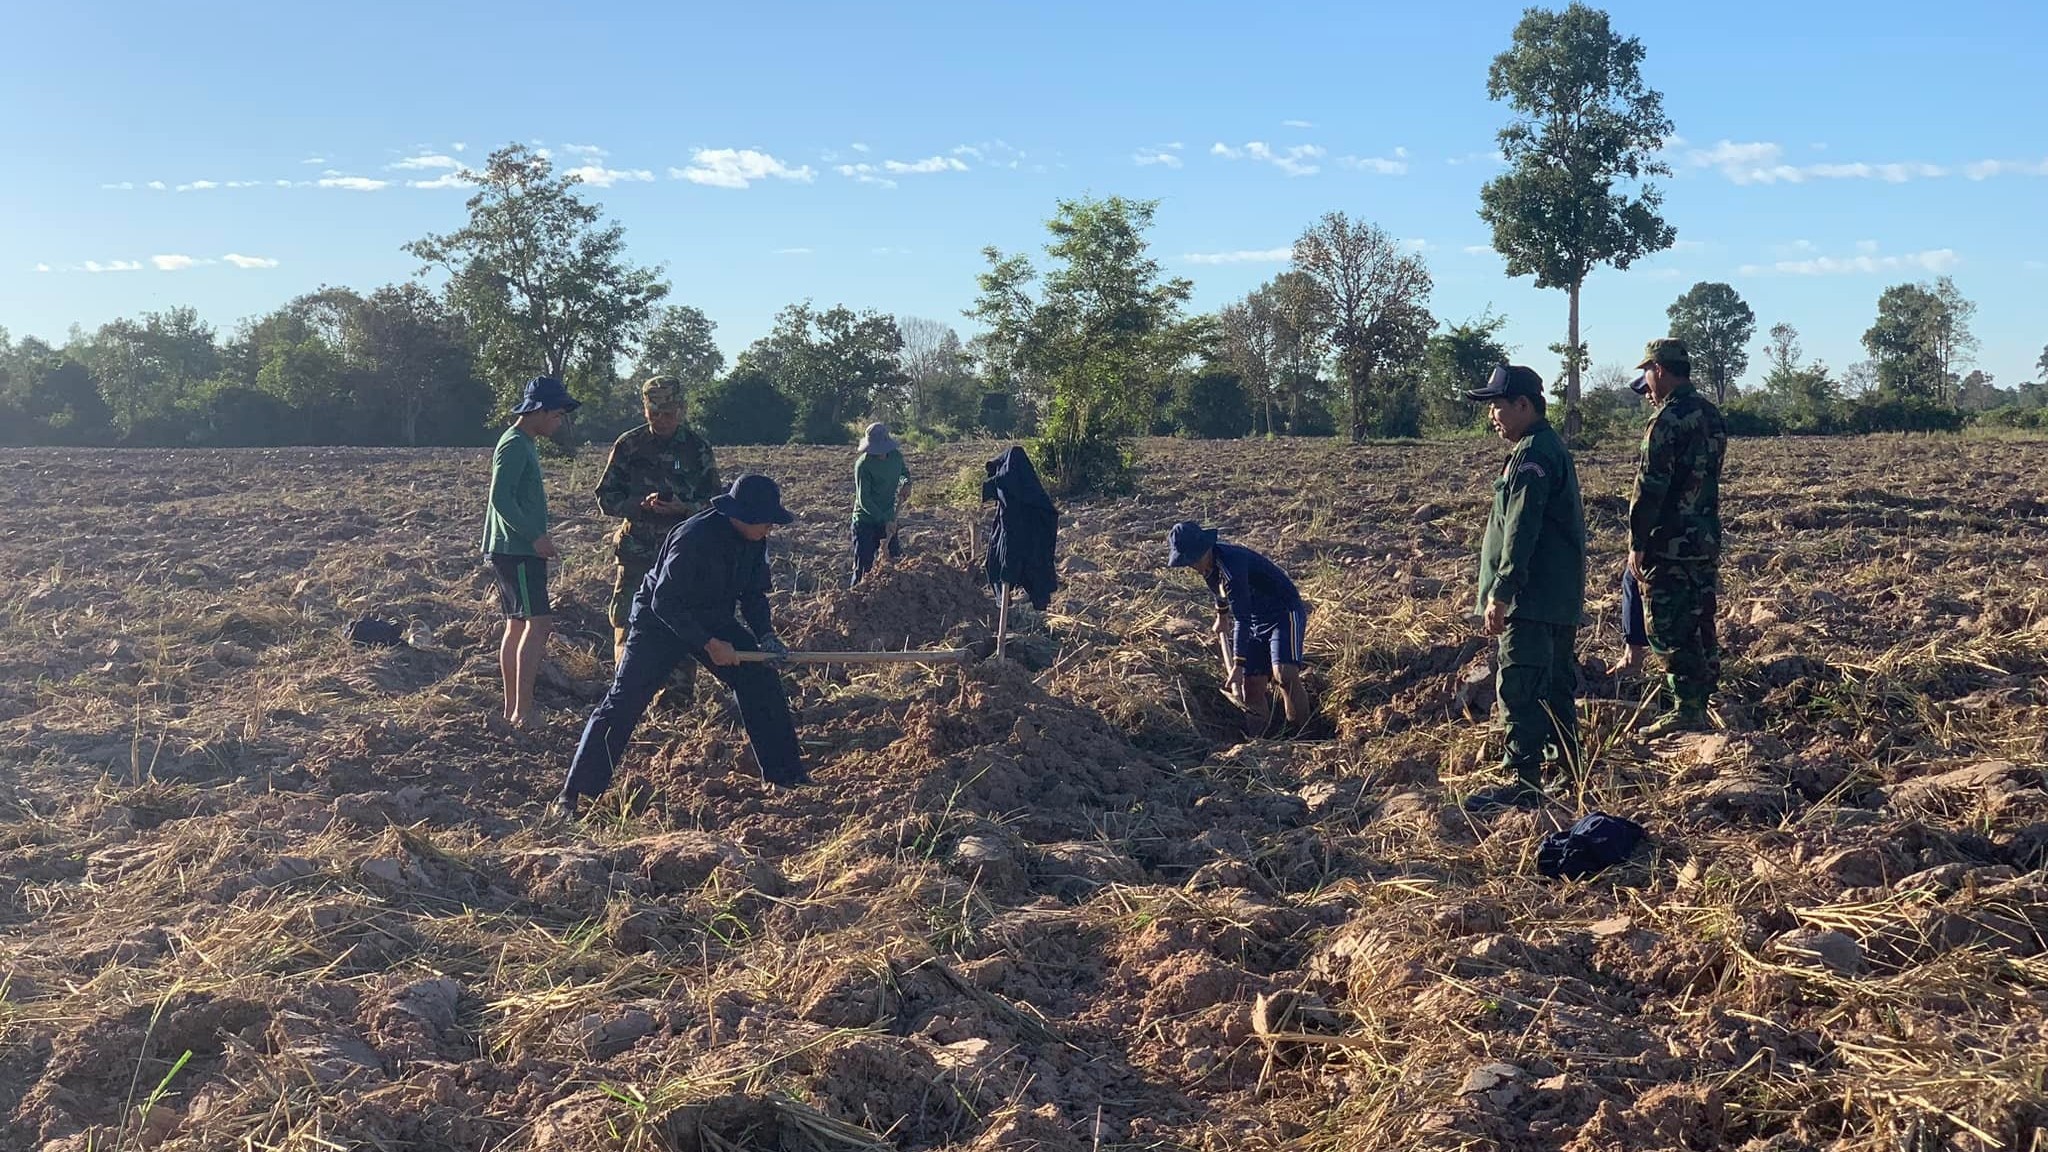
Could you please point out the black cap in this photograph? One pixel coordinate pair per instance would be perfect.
(1510, 380)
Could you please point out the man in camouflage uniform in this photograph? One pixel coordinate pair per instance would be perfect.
(1532, 589)
(659, 475)
(1674, 528)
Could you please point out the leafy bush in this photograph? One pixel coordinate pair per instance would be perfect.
(1212, 406)
(745, 408)
(1900, 414)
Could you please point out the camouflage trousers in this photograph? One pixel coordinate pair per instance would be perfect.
(1537, 683)
(1682, 600)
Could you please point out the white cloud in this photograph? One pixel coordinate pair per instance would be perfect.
(600, 177)
(1417, 245)
(1867, 247)
(591, 151)
(1494, 157)
(156, 185)
(1688, 245)
(885, 251)
(792, 252)
(282, 183)
(878, 174)
(241, 261)
(112, 266)
(994, 154)
(857, 146)
(353, 183)
(1762, 162)
(1477, 250)
(42, 267)
(1938, 261)
(172, 263)
(123, 186)
(738, 168)
(198, 186)
(314, 160)
(430, 162)
(1395, 165)
(1294, 160)
(459, 146)
(1164, 155)
(1242, 256)
(1985, 169)
(1296, 124)
(444, 180)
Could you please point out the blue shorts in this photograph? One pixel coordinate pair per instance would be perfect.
(1274, 643)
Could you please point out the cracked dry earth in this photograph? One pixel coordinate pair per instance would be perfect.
(264, 890)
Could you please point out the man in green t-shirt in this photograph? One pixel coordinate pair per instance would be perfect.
(880, 479)
(516, 541)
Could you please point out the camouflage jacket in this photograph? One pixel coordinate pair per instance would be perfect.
(680, 466)
(1675, 512)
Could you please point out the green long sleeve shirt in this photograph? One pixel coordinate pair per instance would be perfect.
(518, 510)
(1533, 559)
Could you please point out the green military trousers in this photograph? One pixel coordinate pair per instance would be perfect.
(1537, 683)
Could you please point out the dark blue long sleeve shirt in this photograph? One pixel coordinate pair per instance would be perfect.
(1254, 589)
(704, 571)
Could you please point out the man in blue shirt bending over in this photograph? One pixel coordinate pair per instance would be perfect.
(1261, 621)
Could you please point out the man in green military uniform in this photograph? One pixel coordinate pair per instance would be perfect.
(659, 475)
(1532, 589)
(1674, 533)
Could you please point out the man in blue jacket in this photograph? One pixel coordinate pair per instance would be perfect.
(710, 565)
(1260, 617)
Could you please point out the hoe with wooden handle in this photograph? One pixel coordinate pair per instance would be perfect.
(931, 656)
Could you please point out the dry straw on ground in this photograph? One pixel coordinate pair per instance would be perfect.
(262, 890)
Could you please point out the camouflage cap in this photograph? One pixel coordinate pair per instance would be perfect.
(1668, 350)
(662, 393)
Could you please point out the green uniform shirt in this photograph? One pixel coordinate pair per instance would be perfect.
(876, 480)
(642, 464)
(1675, 512)
(518, 511)
(1534, 556)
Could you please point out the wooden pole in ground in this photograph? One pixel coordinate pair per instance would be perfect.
(1002, 618)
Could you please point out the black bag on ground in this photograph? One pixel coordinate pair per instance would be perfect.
(1598, 841)
(376, 633)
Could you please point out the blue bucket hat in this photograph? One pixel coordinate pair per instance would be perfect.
(753, 500)
(546, 394)
(1186, 543)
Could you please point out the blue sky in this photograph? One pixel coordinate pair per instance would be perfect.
(767, 153)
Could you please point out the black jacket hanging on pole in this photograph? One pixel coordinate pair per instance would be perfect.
(1020, 539)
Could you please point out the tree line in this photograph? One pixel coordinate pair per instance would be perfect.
(1082, 345)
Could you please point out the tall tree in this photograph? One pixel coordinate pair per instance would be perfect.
(146, 366)
(1716, 326)
(1373, 300)
(835, 366)
(543, 285)
(1585, 123)
(1902, 343)
(679, 343)
(1803, 394)
(1251, 346)
(1948, 333)
(416, 365)
(1103, 328)
(2041, 365)
(1457, 360)
(1300, 344)
(943, 393)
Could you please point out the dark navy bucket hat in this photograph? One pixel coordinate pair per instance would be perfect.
(1186, 543)
(546, 394)
(753, 500)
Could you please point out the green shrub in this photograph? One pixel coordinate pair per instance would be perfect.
(745, 408)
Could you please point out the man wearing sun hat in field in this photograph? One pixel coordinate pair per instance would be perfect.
(660, 474)
(713, 565)
(516, 542)
(1674, 529)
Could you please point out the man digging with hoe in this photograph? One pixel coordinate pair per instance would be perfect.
(1261, 622)
(714, 563)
